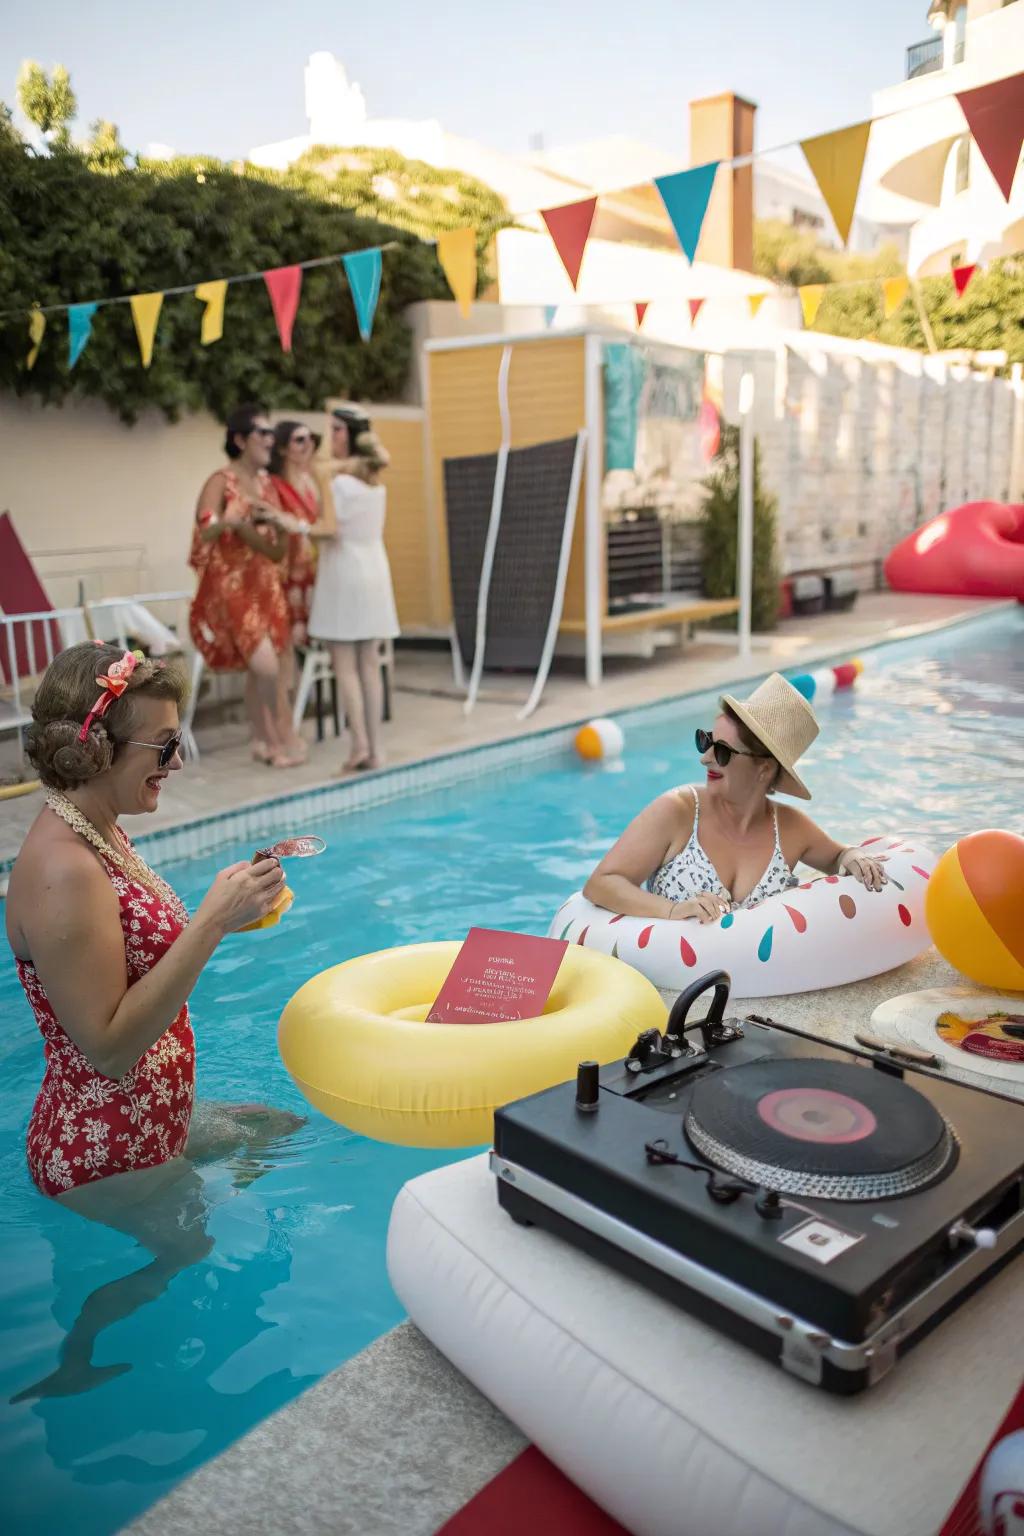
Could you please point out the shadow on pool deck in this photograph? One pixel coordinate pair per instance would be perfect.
(429, 720)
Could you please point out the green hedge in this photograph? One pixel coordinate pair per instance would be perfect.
(69, 234)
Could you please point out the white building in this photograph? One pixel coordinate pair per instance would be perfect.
(925, 152)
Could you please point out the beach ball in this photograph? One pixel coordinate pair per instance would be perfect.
(974, 908)
(804, 684)
(599, 740)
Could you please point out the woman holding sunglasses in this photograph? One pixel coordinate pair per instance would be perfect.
(703, 850)
(239, 619)
(299, 496)
(105, 951)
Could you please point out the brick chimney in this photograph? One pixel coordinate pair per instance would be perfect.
(722, 127)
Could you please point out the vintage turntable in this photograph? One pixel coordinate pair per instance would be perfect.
(827, 1207)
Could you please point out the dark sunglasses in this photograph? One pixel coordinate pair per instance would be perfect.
(722, 750)
(166, 749)
(261, 431)
(300, 439)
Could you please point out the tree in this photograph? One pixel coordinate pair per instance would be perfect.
(10, 138)
(48, 101)
(795, 257)
(719, 533)
(104, 152)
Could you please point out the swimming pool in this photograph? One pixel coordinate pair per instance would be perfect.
(932, 740)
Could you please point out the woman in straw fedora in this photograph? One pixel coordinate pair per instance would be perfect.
(703, 851)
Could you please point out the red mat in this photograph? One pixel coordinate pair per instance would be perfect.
(531, 1495)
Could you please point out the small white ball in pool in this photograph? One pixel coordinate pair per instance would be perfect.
(600, 741)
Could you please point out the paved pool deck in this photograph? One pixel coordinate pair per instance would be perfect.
(429, 720)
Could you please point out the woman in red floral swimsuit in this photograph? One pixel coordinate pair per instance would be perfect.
(107, 955)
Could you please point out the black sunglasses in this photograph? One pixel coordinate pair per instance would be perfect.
(722, 750)
(166, 749)
(262, 431)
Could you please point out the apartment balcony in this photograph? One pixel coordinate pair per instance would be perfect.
(924, 58)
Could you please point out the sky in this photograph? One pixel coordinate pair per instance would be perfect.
(219, 77)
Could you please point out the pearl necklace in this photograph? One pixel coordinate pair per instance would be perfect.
(124, 858)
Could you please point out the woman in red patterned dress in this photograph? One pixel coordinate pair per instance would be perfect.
(107, 956)
(299, 496)
(239, 620)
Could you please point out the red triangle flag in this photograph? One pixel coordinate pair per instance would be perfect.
(569, 228)
(995, 116)
(284, 285)
(962, 276)
(695, 309)
(641, 310)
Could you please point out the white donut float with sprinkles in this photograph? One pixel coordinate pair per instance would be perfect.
(825, 932)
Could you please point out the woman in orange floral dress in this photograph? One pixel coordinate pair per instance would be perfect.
(239, 620)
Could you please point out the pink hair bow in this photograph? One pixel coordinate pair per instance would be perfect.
(113, 684)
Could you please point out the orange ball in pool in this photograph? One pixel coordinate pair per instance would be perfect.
(974, 908)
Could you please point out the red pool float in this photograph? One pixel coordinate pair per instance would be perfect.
(976, 550)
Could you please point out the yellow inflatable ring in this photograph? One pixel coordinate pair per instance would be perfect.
(355, 1041)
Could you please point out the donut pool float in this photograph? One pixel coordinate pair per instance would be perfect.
(357, 1045)
(976, 550)
(825, 932)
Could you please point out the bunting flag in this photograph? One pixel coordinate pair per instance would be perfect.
(811, 295)
(456, 251)
(920, 176)
(962, 276)
(550, 311)
(641, 310)
(686, 196)
(695, 309)
(284, 284)
(363, 270)
(569, 228)
(837, 163)
(894, 291)
(79, 330)
(212, 295)
(146, 313)
(995, 116)
(755, 300)
(36, 327)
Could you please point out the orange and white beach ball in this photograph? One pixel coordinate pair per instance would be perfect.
(974, 908)
(599, 741)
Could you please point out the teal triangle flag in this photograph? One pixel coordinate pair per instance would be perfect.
(79, 330)
(686, 196)
(550, 311)
(362, 268)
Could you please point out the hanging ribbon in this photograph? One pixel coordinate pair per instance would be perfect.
(962, 276)
(284, 284)
(212, 295)
(456, 252)
(569, 227)
(837, 164)
(686, 196)
(995, 116)
(641, 310)
(811, 295)
(363, 270)
(146, 312)
(79, 330)
(894, 291)
(36, 328)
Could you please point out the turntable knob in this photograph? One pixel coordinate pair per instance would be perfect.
(587, 1087)
(981, 1237)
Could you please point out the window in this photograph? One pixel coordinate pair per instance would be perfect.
(963, 163)
(960, 34)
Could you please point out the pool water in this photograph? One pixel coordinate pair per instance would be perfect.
(930, 741)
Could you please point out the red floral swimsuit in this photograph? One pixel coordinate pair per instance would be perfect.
(84, 1125)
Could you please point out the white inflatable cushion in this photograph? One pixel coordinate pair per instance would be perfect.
(670, 1426)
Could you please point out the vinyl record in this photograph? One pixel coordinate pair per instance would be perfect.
(964, 1028)
(820, 1127)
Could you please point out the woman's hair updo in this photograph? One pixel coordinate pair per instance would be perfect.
(65, 696)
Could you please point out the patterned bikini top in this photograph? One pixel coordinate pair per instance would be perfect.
(691, 872)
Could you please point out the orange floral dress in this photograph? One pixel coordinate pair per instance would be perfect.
(299, 565)
(240, 600)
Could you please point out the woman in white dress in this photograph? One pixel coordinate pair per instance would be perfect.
(353, 606)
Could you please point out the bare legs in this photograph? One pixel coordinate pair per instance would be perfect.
(266, 697)
(357, 668)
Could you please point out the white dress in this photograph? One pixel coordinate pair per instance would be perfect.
(353, 597)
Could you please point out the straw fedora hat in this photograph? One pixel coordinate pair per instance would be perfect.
(783, 722)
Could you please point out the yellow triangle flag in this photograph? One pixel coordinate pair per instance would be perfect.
(36, 327)
(146, 313)
(755, 300)
(456, 251)
(836, 161)
(212, 295)
(894, 291)
(811, 295)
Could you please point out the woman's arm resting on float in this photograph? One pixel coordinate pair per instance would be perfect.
(823, 852)
(616, 882)
(77, 945)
